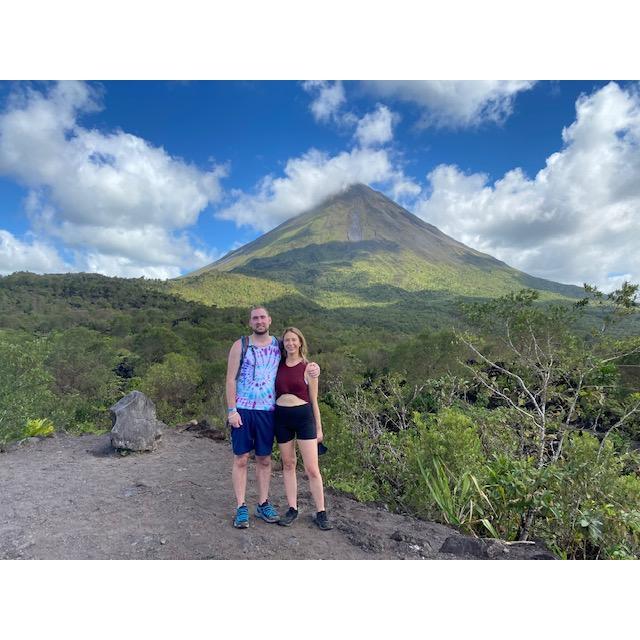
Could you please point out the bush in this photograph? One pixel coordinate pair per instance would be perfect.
(38, 427)
(460, 500)
(519, 492)
(343, 467)
(25, 386)
(84, 364)
(172, 384)
(448, 439)
(596, 505)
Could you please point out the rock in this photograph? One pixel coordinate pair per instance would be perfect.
(496, 549)
(465, 546)
(411, 541)
(135, 426)
(488, 548)
(543, 556)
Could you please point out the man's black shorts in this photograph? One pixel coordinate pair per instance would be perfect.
(294, 422)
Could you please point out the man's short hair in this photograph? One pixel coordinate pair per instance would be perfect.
(258, 306)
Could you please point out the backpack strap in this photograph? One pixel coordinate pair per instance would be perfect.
(244, 342)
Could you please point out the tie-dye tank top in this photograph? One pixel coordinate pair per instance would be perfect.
(255, 386)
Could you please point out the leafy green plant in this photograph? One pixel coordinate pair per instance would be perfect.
(460, 500)
(38, 427)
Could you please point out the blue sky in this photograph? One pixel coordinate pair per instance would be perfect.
(158, 178)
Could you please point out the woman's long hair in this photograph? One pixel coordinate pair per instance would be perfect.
(303, 343)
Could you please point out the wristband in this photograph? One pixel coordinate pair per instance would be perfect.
(232, 410)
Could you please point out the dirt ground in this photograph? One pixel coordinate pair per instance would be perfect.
(74, 497)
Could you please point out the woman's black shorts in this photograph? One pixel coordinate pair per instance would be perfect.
(294, 422)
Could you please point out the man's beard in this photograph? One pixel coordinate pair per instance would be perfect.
(261, 332)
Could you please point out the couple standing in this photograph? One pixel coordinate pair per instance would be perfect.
(273, 391)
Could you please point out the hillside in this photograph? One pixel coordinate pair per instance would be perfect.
(359, 249)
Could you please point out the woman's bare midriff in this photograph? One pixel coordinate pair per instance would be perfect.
(289, 400)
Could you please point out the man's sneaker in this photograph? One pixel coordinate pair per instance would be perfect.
(241, 521)
(267, 512)
(288, 517)
(322, 522)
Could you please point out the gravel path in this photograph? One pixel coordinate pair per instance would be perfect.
(73, 497)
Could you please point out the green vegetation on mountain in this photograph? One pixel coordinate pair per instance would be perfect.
(360, 249)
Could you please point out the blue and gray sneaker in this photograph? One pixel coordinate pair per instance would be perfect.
(241, 520)
(267, 512)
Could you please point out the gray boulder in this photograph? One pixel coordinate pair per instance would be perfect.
(135, 426)
(489, 549)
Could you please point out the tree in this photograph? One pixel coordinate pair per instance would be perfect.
(544, 372)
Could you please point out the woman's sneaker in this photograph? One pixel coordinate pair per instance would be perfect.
(241, 521)
(267, 512)
(288, 517)
(322, 522)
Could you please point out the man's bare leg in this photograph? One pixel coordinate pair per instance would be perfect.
(239, 477)
(263, 476)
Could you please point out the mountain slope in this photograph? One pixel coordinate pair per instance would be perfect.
(359, 248)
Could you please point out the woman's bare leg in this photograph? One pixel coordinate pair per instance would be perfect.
(288, 455)
(309, 451)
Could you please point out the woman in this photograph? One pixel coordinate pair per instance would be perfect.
(297, 417)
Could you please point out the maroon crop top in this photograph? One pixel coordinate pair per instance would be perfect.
(291, 380)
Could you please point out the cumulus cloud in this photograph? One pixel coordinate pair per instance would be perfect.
(577, 219)
(329, 106)
(308, 180)
(314, 176)
(113, 194)
(39, 257)
(454, 103)
(329, 98)
(375, 127)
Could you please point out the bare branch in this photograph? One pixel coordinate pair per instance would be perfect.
(620, 422)
(507, 373)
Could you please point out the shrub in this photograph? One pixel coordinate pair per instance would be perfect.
(343, 467)
(596, 505)
(519, 492)
(172, 384)
(25, 386)
(38, 427)
(460, 500)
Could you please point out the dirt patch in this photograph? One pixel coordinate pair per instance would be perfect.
(74, 497)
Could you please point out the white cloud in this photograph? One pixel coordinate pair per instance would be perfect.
(110, 194)
(329, 98)
(16, 255)
(310, 179)
(577, 219)
(314, 176)
(375, 127)
(454, 103)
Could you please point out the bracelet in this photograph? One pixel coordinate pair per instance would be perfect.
(232, 410)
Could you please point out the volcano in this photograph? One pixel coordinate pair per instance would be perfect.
(360, 248)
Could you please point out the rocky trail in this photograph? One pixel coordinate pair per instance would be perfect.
(75, 497)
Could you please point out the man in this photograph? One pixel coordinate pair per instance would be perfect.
(251, 401)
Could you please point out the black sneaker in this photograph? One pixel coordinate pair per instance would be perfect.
(288, 518)
(322, 522)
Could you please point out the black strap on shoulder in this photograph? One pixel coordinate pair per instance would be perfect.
(244, 342)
